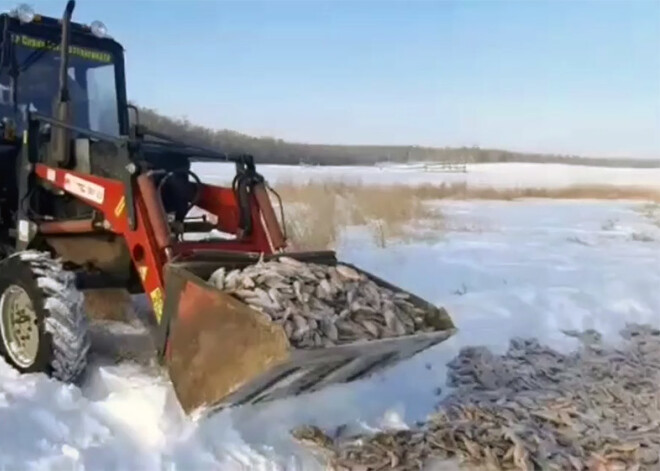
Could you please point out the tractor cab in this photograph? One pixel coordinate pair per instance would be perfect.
(30, 68)
(62, 103)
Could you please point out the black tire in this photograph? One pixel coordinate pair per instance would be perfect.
(57, 311)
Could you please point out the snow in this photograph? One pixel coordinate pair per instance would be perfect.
(504, 269)
(498, 175)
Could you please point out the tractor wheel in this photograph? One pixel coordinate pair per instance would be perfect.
(43, 327)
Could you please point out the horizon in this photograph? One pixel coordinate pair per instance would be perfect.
(541, 77)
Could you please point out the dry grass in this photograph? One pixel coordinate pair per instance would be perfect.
(651, 212)
(605, 192)
(318, 212)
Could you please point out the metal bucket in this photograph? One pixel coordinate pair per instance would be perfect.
(222, 353)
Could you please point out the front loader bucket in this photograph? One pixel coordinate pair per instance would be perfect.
(222, 353)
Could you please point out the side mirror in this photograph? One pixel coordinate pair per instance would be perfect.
(135, 130)
(136, 115)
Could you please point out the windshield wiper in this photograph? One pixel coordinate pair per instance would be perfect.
(34, 57)
(16, 70)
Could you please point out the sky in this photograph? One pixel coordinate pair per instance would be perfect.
(570, 77)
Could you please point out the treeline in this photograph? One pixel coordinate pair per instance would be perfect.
(277, 151)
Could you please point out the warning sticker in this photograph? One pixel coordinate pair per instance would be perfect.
(23, 230)
(84, 188)
(157, 303)
(120, 206)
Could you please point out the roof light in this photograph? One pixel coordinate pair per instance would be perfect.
(25, 13)
(98, 29)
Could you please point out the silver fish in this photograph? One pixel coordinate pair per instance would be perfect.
(531, 408)
(319, 305)
(217, 278)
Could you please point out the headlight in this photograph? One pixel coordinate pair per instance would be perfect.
(25, 13)
(98, 29)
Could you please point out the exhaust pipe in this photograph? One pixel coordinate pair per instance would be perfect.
(61, 145)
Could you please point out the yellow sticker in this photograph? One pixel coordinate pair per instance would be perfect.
(120, 206)
(85, 53)
(157, 303)
(25, 137)
(143, 272)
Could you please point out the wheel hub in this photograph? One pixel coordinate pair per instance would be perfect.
(20, 333)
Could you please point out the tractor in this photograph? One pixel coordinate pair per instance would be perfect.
(92, 199)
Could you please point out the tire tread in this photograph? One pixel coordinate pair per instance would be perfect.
(65, 318)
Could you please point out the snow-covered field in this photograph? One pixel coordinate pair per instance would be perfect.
(502, 175)
(506, 269)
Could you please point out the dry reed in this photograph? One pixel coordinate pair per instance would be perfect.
(318, 212)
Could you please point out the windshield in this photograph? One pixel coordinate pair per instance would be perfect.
(91, 76)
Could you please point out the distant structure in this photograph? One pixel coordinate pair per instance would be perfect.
(430, 160)
(451, 166)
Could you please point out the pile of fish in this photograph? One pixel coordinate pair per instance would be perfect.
(322, 305)
(596, 409)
